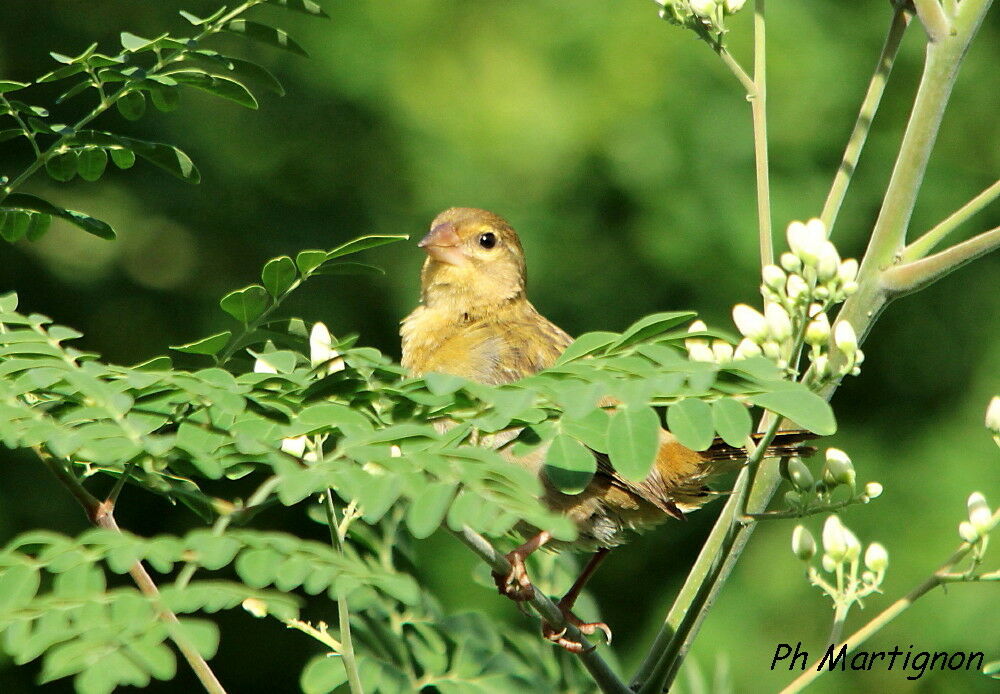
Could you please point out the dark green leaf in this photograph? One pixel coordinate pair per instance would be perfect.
(257, 74)
(802, 406)
(167, 157)
(164, 99)
(93, 226)
(690, 420)
(11, 86)
(123, 158)
(10, 134)
(633, 441)
(91, 163)
(322, 674)
(132, 105)
(14, 225)
(62, 167)
(278, 275)
(72, 91)
(307, 261)
(39, 225)
(60, 73)
(265, 34)
(195, 20)
(210, 345)
(219, 86)
(651, 326)
(357, 269)
(588, 343)
(569, 465)
(732, 421)
(306, 6)
(245, 304)
(363, 243)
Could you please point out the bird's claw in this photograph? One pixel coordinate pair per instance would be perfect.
(515, 585)
(588, 628)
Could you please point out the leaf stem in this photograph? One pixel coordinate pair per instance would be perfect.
(900, 280)
(939, 577)
(758, 106)
(866, 115)
(603, 675)
(922, 246)
(343, 609)
(932, 16)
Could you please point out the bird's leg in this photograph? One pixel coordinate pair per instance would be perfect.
(565, 605)
(516, 585)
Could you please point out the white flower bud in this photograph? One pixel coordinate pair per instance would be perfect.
(774, 277)
(321, 349)
(838, 468)
(805, 240)
(821, 364)
(829, 563)
(848, 271)
(772, 350)
(968, 532)
(747, 348)
(803, 543)
(993, 415)
(702, 7)
(868, 577)
(796, 287)
(873, 490)
(853, 545)
(828, 262)
(778, 322)
(750, 322)
(818, 330)
(834, 539)
(734, 6)
(256, 607)
(799, 474)
(876, 558)
(849, 288)
(790, 262)
(722, 351)
(295, 445)
(845, 338)
(697, 347)
(979, 513)
(395, 451)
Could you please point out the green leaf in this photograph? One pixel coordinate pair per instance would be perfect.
(428, 510)
(651, 326)
(305, 6)
(588, 343)
(123, 158)
(167, 157)
(165, 99)
(245, 304)
(18, 585)
(211, 345)
(73, 91)
(132, 43)
(62, 167)
(89, 224)
(202, 634)
(690, 420)
(11, 133)
(219, 86)
(633, 441)
(14, 225)
(363, 243)
(307, 261)
(802, 406)
(255, 73)
(278, 275)
(569, 465)
(322, 674)
(61, 72)
(256, 31)
(732, 421)
(132, 105)
(443, 384)
(356, 269)
(591, 429)
(91, 163)
(39, 225)
(992, 669)
(11, 86)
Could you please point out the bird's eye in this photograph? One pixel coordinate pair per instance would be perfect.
(488, 240)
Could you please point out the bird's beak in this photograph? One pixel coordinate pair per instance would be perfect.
(444, 245)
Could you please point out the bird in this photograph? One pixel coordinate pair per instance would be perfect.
(475, 321)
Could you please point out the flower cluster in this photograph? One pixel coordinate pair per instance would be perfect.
(980, 521)
(809, 495)
(704, 17)
(797, 297)
(842, 559)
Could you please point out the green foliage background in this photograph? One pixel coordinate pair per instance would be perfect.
(621, 149)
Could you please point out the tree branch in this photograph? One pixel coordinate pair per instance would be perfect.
(866, 115)
(900, 280)
(605, 678)
(922, 246)
(932, 16)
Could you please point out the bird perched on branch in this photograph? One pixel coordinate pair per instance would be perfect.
(475, 321)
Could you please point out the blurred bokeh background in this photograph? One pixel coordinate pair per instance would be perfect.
(621, 149)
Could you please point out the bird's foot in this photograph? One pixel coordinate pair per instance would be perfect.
(515, 585)
(558, 636)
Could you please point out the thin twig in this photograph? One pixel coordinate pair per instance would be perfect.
(758, 106)
(922, 246)
(866, 115)
(942, 575)
(900, 280)
(343, 610)
(603, 675)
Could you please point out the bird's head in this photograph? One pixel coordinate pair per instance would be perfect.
(474, 261)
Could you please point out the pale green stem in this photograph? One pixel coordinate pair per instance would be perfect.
(926, 243)
(603, 675)
(866, 116)
(839, 617)
(343, 610)
(758, 105)
(899, 280)
(933, 18)
(939, 577)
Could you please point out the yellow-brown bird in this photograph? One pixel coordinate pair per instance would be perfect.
(475, 321)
